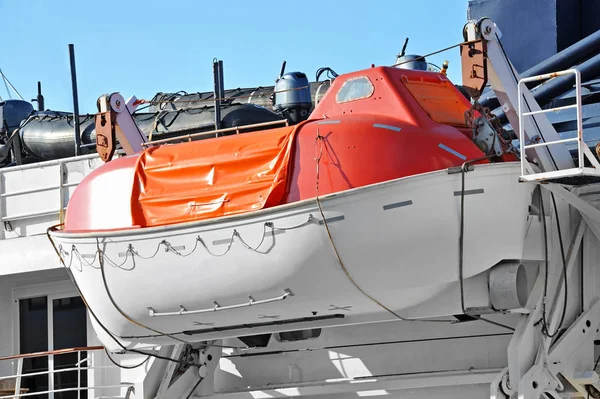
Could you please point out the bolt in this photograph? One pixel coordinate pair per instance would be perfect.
(488, 29)
(202, 371)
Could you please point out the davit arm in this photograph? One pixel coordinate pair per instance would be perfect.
(115, 122)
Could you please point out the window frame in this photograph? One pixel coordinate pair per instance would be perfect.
(362, 77)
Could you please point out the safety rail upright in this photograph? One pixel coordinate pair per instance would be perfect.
(580, 174)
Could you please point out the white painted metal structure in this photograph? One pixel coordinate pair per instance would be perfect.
(583, 152)
(554, 358)
(550, 353)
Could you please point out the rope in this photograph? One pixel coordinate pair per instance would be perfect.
(11, 85)
(189, 395)
(201, 100)
(320, 139)
(126, 316)
(544, 321)
(435, 52)
(131, 252)
(461, 246)
(125, 367)
(92, 313)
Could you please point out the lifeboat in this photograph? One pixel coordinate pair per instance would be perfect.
(365, 212)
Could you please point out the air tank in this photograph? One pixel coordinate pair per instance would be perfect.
(247, 95)
(51, 135)
(293, 97)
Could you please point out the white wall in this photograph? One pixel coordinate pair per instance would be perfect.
(27, 254)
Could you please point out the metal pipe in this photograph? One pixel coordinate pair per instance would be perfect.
(40, 97)
(221, 81)
(221, 87)
(572, 55)
(217, 94)
(52, 352)
(560, 85)
(75, 101)
(545, 93)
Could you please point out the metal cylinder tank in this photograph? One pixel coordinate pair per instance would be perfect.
(51, 135)
(412, 61)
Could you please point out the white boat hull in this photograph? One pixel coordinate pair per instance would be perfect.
(398, 241)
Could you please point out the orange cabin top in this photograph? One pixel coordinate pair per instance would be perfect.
(413, 97)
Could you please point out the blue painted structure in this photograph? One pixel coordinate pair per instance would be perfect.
(533, 30)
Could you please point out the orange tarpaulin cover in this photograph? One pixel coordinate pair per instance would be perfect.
(210, 178)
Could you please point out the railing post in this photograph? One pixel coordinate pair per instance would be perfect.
(61, 193)
(51, 376)
(75, 101)
(3, 210)
(522, 140)
(78, 374)
(18, 381)
(580, 143)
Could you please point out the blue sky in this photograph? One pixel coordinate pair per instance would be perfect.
(140, 48)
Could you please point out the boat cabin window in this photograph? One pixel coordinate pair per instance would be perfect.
(355, 89)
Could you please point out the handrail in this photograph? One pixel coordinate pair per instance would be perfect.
(229, 129)
(91, 357)
(252, 302)
(78, 389)
(52, 162)
(60, 187)
(583, 150)
(53, 352)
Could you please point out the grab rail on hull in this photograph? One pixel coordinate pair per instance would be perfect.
(252, 302)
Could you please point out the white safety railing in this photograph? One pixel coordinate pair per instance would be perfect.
(34, 196)
(583, 150)
(83, 364)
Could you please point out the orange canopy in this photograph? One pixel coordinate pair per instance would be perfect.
(210, 178)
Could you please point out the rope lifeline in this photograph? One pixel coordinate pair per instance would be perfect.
(320, 139)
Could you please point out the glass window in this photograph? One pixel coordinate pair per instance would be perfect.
(33, 337)
(355, 89)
